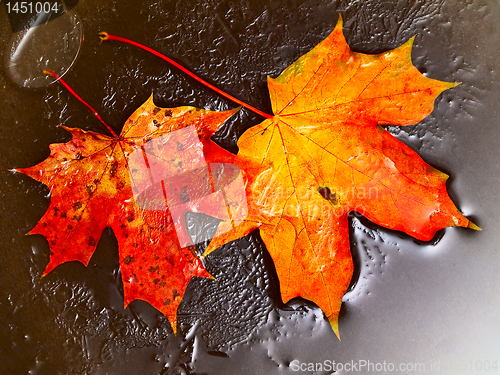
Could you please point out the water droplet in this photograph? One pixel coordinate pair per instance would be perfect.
(43, 43)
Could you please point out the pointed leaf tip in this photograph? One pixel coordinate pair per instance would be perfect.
(473, 226)
(235, 110)
(410, 41)
(340, 21)
(334, 323)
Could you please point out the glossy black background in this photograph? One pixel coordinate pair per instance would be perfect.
(433, 303)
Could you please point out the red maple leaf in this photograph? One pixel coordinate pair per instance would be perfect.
(324, 155)
(93, 186)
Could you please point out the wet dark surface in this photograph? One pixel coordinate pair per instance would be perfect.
(432, 303)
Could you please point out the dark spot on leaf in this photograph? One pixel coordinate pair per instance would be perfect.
(89, 189)
(156, 123)
(79, 156)
(63, 214)
(77, 217)
(168, 113)
(70, 227)
(327, 194)
(156, 110)
(163, 283)
(167, 302)
(156, 281)
(130, 218)
(77, 206)
(114, 168)
(128, 259)
(44, 225)
(96, 181)
(180, 146)
(91, 241)
(154, 269)
(179, 164)
(175, 293)
(184, 195)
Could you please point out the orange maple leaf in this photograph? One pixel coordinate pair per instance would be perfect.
(91, 189)
(324, 154)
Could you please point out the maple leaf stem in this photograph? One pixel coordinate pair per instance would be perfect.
(105, 36)
(56, 77)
